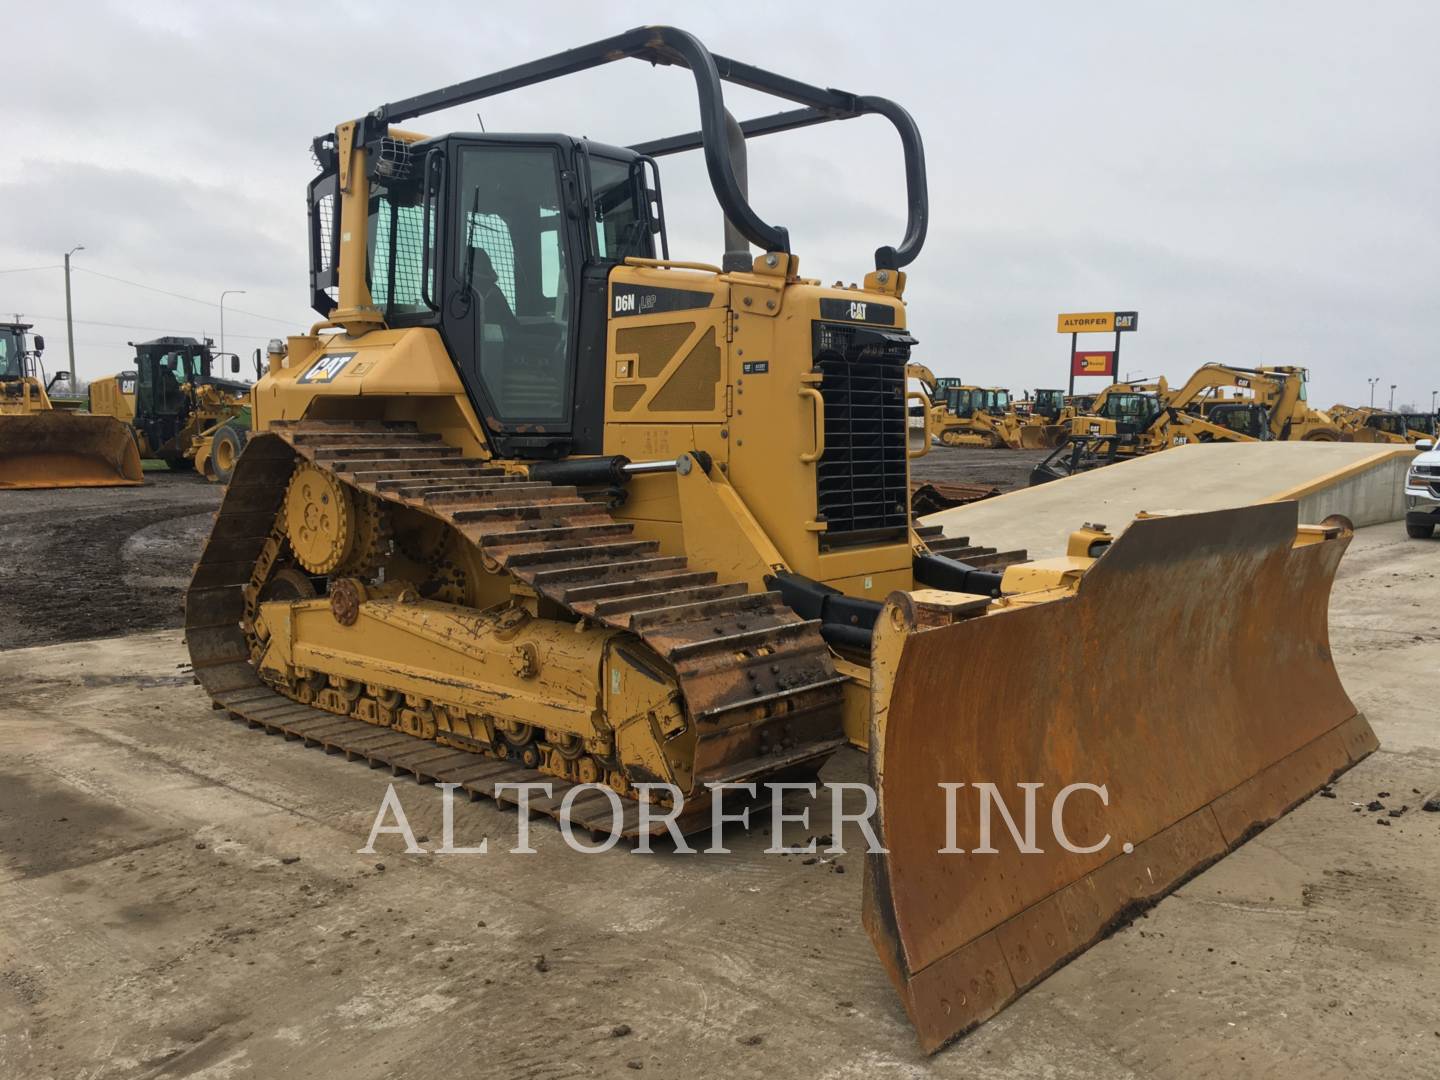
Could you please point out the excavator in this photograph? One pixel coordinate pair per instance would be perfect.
(535, 501)
(45, 447)
(1218, 403)
(181, 411)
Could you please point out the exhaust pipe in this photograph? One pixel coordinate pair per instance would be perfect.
(737, 248)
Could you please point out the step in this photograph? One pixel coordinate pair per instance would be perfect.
(620, 606)
(566, 534)
(582, 555)
(719, 608)
(640, 584)
(607, 572)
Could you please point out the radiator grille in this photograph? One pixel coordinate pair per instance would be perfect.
(862, 485)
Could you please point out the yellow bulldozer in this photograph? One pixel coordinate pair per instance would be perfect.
(181, 411)
(45, 447)
(535, 501)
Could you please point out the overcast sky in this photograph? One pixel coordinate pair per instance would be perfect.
(1258, 180)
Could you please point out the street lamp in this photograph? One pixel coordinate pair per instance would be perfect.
(1392, 397)
(227, 292)
(69, 318)
(1372, 383)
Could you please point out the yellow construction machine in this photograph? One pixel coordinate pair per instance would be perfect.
(962, 415)
(1370, 425)
(181, 411)
(45, 447)
(1218, 403)
(535, 500)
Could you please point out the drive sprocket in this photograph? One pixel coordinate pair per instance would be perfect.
(320, 519)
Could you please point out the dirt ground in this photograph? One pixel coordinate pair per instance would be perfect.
(94, 562)
(182, 897)
(1005, 469)
(97, 562)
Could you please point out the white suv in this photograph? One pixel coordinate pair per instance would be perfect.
(1422, 492)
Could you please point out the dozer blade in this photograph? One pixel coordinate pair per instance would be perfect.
(1190, 675)
(55, 449)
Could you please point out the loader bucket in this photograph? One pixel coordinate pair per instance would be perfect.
(55, 449)
(1042, 436)
(1190, 675)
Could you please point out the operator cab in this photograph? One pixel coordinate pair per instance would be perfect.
(1132, 412)
(1048, 403)
(1246, 418)
(1424, 422)
(1388, 422)
(167, 370)
(504, 243)
(15, 359)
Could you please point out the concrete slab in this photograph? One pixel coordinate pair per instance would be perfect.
(1362, 481)
(183, 897)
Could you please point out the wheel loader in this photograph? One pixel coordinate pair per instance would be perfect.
(45, 447)
(534, 500)
(180, 410)
(1369, 425)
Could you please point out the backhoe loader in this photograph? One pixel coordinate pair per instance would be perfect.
(534, 500)
(181, 411)
(1218, 403)
(45, 447)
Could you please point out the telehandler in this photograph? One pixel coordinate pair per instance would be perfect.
(45, 447)
(181, 411)
(534, 499)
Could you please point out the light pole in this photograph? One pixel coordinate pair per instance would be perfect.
(1372, 383)
(1433, 395)
(227, 292)
(69, 318)
(1392, 397)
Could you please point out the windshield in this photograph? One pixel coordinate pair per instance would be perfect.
(11, 366)
(397, 253)
(512, 249)
(620, 228)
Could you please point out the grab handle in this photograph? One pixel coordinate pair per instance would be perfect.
(819, 451)
(925, 442)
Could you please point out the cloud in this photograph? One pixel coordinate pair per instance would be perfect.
(1257, 180)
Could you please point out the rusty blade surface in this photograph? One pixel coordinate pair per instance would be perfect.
(1190, 675)
(62, 449)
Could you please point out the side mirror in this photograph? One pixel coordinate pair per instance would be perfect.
(39, 343)
(234, 365)
(1424, 444)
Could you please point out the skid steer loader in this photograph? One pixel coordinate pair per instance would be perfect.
(45, 447)
(536, 500)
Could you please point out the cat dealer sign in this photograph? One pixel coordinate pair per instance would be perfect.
(1095, 361)
(1098, 322)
